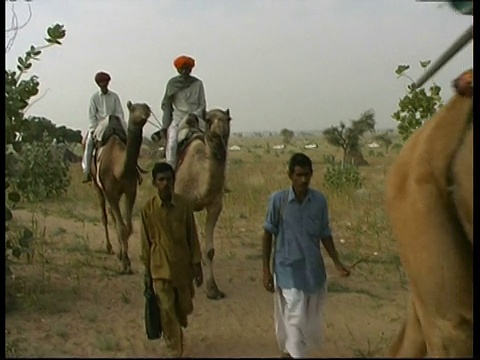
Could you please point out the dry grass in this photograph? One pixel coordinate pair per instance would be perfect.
(81, 306)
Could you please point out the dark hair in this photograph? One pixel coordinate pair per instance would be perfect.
(162, 167)
(300, 160)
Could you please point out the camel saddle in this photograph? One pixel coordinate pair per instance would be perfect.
(111, 126)
(188, 130)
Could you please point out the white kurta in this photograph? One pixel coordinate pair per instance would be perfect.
(298, 320)
(187, 101)
(101, 106)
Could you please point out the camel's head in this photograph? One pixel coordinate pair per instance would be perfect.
(218, 123)
(139, 113)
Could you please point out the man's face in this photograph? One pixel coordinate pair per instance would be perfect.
(103, 85)
(300, 177)
(164, 183)
(185, 70)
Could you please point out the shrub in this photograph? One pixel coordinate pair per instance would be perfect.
(340, 176)
(19, 157)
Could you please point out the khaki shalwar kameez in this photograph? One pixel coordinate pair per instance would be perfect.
(170, 247)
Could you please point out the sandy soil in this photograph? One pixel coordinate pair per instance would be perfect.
(72, 302)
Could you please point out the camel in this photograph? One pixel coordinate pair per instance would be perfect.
(115, 173)
(429, 200)
(200, 176)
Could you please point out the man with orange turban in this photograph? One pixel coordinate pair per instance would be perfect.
(184, 95)
(102, 104)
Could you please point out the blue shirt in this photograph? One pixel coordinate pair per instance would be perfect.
(298, 261)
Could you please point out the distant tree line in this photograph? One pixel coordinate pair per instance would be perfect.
(37, 127)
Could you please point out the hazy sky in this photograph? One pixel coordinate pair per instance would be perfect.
(299, 64)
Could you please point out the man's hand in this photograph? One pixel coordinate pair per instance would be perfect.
(268, 281)
(342, 269)
(197, 274)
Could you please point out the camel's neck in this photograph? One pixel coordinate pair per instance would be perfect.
(216, 148)
(134, 142)
(214, 175)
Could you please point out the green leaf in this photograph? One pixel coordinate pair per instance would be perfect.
(401, 69)
(17, 252)
(25, 243)
(21, 61)
(8, 214)
(22, 185)
(27, 234)
(14, 197)
(425, 63)
(17, 146)
(26, 239)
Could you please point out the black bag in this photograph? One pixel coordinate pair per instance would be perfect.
(153, 324)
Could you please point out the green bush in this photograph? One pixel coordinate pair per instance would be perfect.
(25, 164)
(43, 174)
(340, 176)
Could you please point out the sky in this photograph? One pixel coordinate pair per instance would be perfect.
(296, 64)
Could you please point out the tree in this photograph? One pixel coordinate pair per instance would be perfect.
(348, 137)
(36, 127)
(385, 138)
(417, 106)
(18, 94)
(287, 136)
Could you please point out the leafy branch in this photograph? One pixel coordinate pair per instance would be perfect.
(417, 106)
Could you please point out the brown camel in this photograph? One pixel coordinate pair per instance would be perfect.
(200, 176)
(118, 175)
(429, 199)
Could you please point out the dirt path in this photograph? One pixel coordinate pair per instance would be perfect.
(72, 302)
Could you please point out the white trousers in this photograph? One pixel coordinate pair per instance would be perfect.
(171, 146)
(298, 320)
(87, 154)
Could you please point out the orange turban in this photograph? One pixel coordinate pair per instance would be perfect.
(102, 77)
(182, 61)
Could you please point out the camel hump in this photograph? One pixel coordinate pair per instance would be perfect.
(112, 125)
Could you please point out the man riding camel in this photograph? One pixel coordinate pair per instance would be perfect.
(184, 95)
(102, 104)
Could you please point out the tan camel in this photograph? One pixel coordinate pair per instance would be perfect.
(429, 199)
(118, 175)
(200, 176)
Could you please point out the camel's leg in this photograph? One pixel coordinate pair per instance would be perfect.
(121, 233)
(410, 342)
(111, 215)
(213, 213)
(102, 202)
(129, 203)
